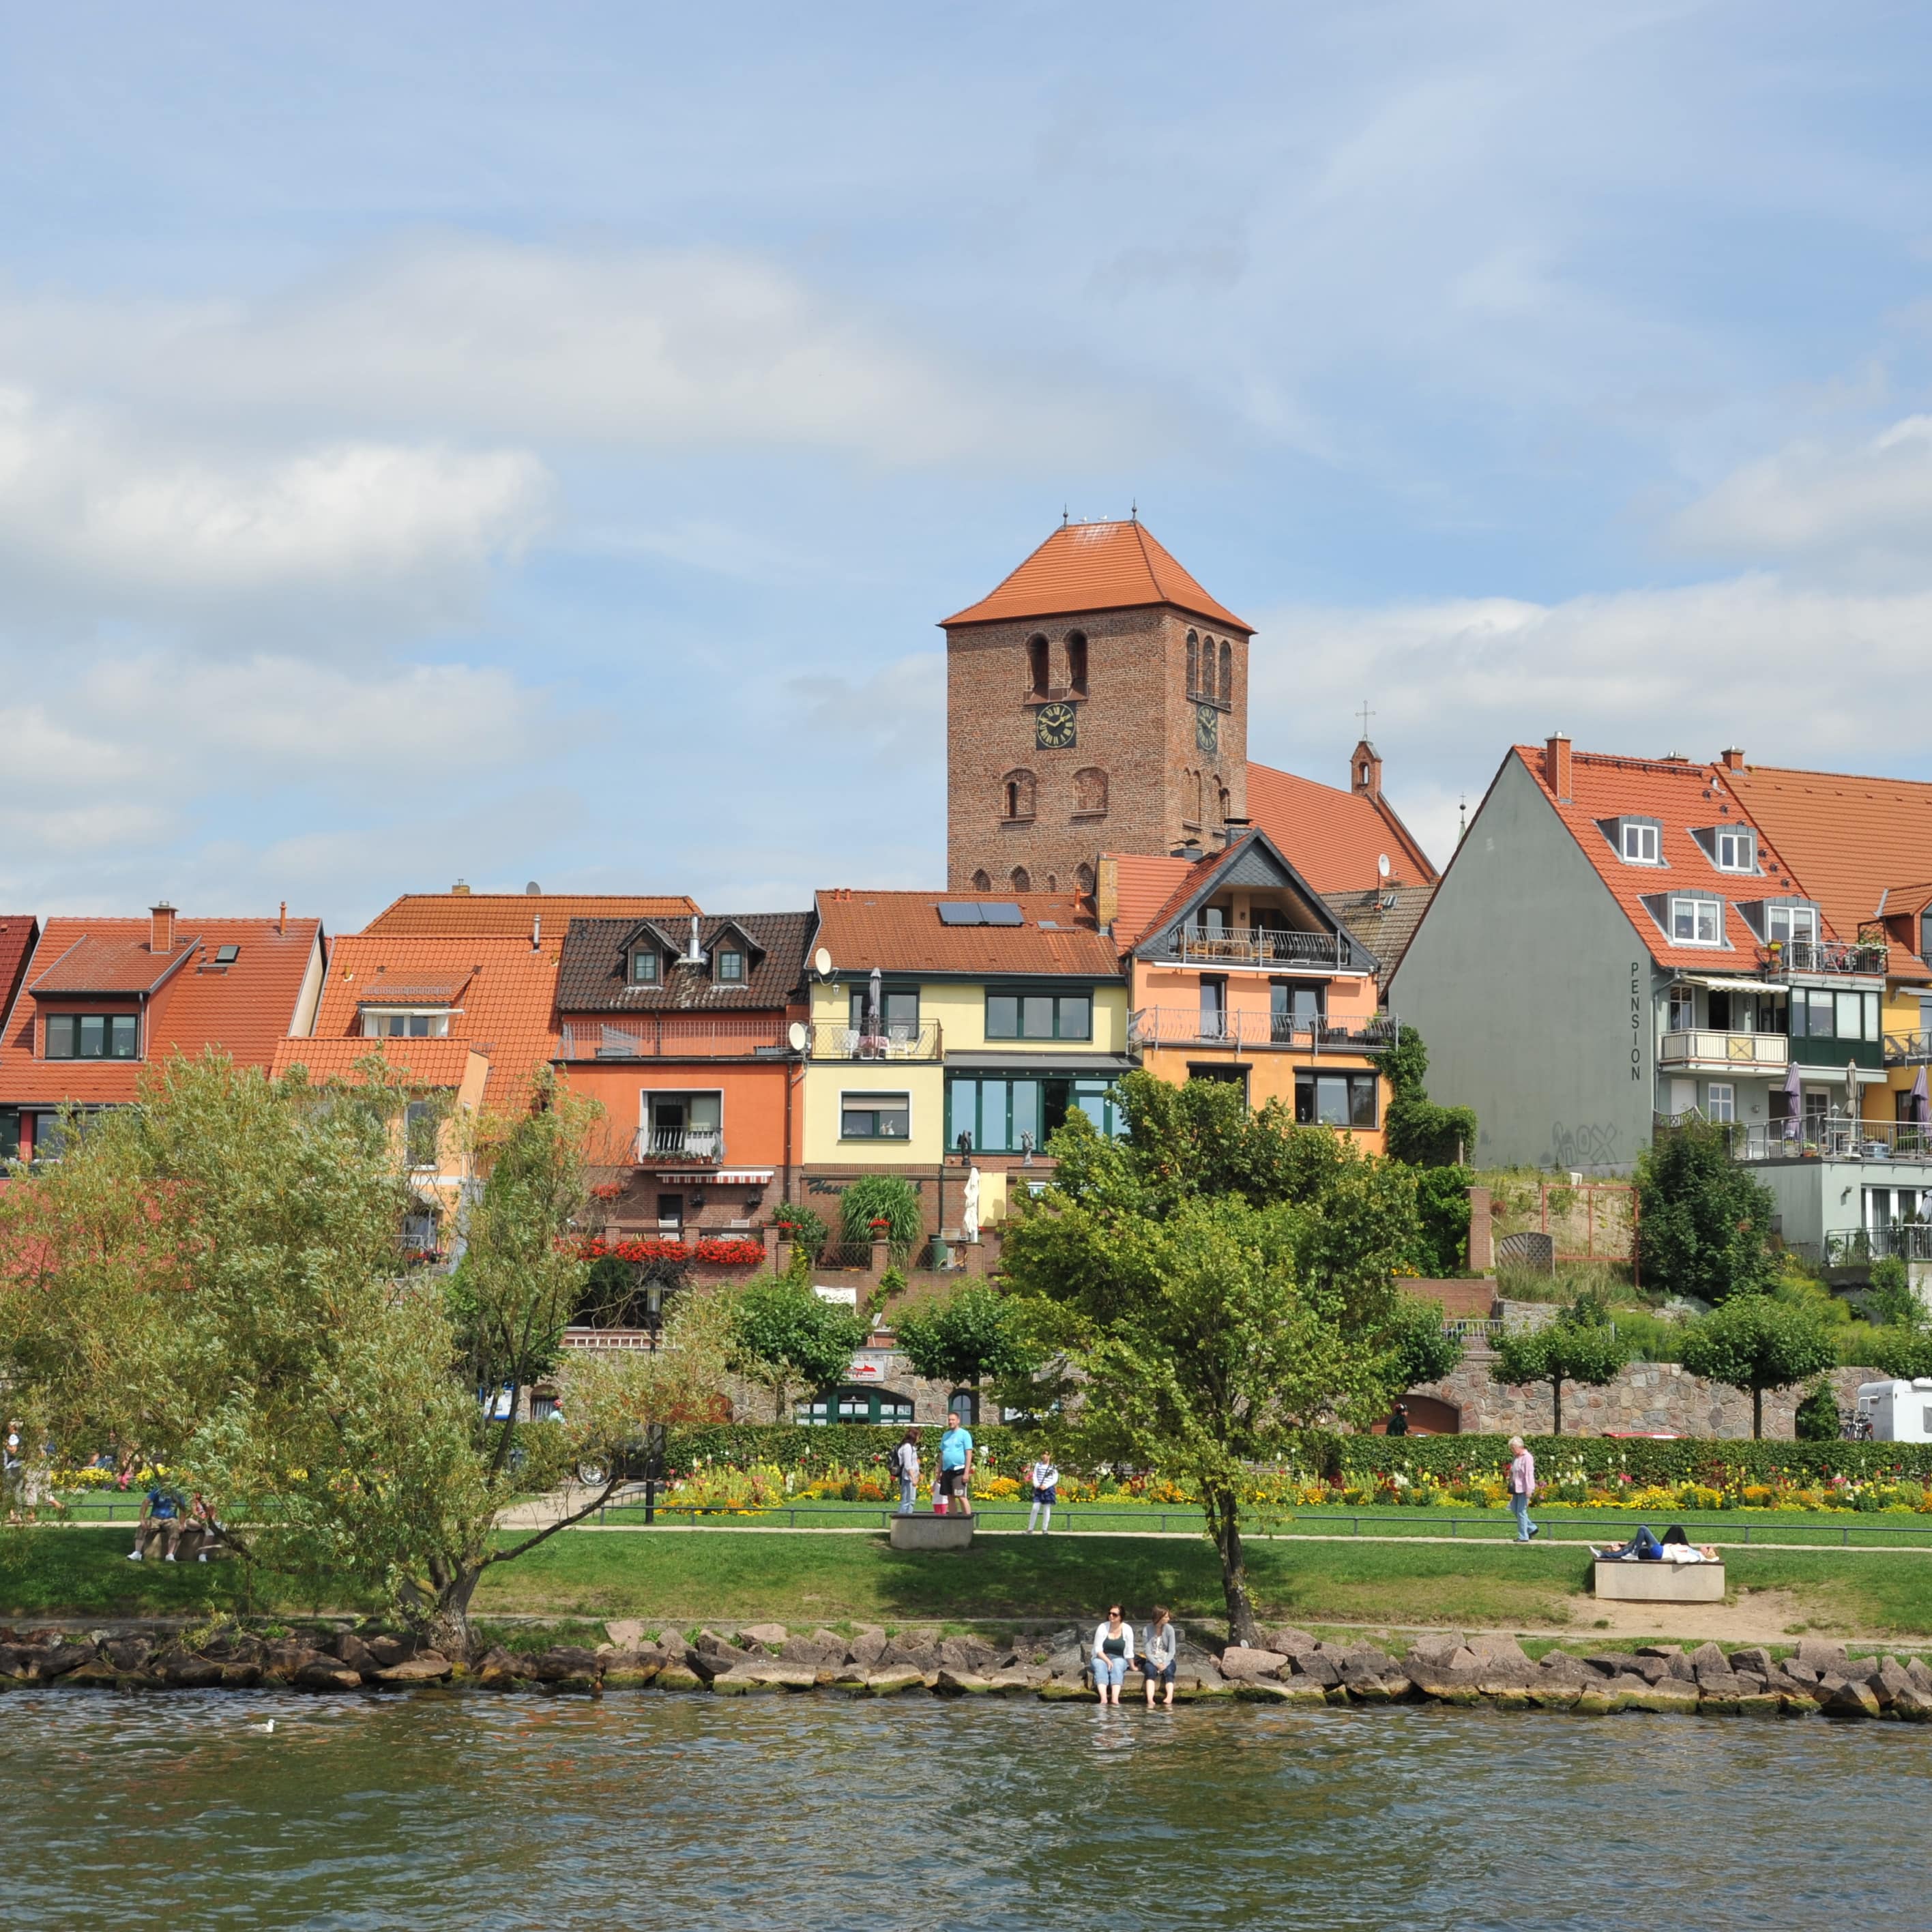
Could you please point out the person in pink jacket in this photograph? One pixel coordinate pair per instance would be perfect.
(1522, 1487)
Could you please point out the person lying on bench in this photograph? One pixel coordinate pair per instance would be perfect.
(1642, 1548)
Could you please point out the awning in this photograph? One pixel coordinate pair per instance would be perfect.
(1040, 1065)
(742, 1176)
(1731, 982)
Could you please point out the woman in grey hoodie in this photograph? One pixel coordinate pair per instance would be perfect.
(1157, 1652)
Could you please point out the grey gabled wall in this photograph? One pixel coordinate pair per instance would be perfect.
(1533, 993)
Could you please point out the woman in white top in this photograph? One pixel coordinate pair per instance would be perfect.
(1113, 1652)
(1044, 1480)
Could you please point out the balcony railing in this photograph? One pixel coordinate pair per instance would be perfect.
(1187, 1026)
(695, 1147)
(1800, 956)
(1815, 1137)
(1741, 1050)
(1908, 1049)
(890, 1041)
(1256, 946)
(1903, 1240)
(653, 1036)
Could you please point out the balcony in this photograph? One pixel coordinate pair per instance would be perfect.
(1724, 1052)
(1831, 1056)
(673, 1036)
(890, 1041)
(1908, 1049)
(1259, 946)
(1816, 1137)
(1902, 1240)
(1188, 1026)
(1797, 958)
(680, 1147)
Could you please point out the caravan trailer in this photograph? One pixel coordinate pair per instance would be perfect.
(1897, 1412)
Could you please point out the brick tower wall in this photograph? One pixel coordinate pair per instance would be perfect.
(1136, 723)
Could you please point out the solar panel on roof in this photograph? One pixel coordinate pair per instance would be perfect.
(959, 912)
(999, 912)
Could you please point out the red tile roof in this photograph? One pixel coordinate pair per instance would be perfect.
(901, 932)
(1096, 567)
(425, 1063)
(1331, 837)
(243, 1008)
(1679, 795)
(512, 915)
(505, 989)
(18, 932)
(1143, 885)
(1850, 838)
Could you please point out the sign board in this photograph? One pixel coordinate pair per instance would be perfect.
(845, 1298)
(868, 1368)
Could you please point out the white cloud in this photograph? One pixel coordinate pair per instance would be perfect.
(1866, 508)
(1789, 673)
(896, 717)
(93, 516)
(666, 349)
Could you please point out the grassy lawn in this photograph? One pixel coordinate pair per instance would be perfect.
(727, 1574)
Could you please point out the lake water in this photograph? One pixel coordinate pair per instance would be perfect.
(691, 1813)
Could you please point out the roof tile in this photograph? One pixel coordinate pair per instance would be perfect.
(515, 915)
(901, 932)
(1331, 837)
(1096, 567)
(591, 976)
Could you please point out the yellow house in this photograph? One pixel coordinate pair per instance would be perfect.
(949, 1034)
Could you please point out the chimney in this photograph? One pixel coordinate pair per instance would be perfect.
(536, 932)
(1365, 771)
(1234, 830)
(1556, 765)
(1733, 760)
(282, 918)
(462, 886)
(1106, 892)
(161, 928)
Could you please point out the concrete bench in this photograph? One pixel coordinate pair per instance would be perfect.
(932, 1532)
(1660, 1583)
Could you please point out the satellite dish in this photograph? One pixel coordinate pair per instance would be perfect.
(1382, 864)
(797, 1035)
(821, 963)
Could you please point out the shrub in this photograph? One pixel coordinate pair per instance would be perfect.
(886, 1197)
(1817, 1418)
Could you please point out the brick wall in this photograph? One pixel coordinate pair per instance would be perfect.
(1135, 724)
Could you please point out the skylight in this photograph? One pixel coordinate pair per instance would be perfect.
(227, 955)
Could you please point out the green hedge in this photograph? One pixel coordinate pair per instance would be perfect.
(1687, 1459)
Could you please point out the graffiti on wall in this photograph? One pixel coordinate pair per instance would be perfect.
(1593, 1144)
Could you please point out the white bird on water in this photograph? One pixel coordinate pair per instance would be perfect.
(268, 1726)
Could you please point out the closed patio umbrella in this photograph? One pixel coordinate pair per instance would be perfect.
(1794, 1101)
(1921, 1105)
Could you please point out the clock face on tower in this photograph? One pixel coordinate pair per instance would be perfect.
(1207, 726)
(1054, 727)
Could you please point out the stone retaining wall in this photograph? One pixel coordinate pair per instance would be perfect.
(1646, 1397)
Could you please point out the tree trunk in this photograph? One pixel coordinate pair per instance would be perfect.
(1757, 1414)
(1556, 1393)
(447, 1626)
(1224, 1520)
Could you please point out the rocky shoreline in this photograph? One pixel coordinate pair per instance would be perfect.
(1291, 1667)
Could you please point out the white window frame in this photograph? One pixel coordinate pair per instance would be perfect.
(1792, 916)
(433, 1014)
(1717, 906)
(646, 1095)
(1745, 858)
(1721, 1101)
(1642, 831)
(876, 1094)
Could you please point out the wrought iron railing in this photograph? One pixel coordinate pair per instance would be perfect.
(1813, 1137)
(1257, 947)
(888, 1040)
(1902, 1240)
(1189, 1026)
(1781, 959)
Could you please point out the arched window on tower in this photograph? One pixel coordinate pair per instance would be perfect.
(1053, 882)
(1227, 682)
(1022, 882)
(1090, 790)
(982, 880)
(1223, 799)
(1191, 797)
(1036, 665)
(1207, 667)
(1083, 880)
(1193, 664)
(1076, 662)
(1016, 795)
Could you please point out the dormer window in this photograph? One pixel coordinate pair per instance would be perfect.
(1735, 849)
(394, 1023)
(644, 967)
(1784, 924)
(1639, 842)
(1697, 922)
(729, 964)
(91, 1037)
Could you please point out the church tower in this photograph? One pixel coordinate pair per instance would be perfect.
(1097, 701)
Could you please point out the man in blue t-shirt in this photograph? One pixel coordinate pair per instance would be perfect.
(955, 1464)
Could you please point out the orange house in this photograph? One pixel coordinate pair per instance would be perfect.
(1237, 970)
(680, 1027)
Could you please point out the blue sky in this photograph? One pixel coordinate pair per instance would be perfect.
(480, 441)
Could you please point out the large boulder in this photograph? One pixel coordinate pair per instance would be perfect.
(909, 1652)
(429, 1668)
(632, 1670)
(1820, 1655)
(1242, 1664)
(868, 1647)
(1913, 1705)
(1890, 1680)
(893, 1680)
(967, 1654)
(324, 1673)
(771, 1636)
(811, 1650)
(1843, 1697)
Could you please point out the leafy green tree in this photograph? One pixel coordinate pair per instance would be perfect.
(1755, 1341)
(1212, 1288)
(783, 1335)
(1816, 1419)
(1442, 1206)
(1889, 1299)
(1424, 1351)
(889, 1198)
(1416, 1130)
(975, 1336)
(1579, 1346)
(1904, 1354)
(1704, 1221)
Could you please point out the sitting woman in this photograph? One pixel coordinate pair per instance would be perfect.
(1113, 1652)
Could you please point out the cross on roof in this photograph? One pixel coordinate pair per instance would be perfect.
(1367, 714)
